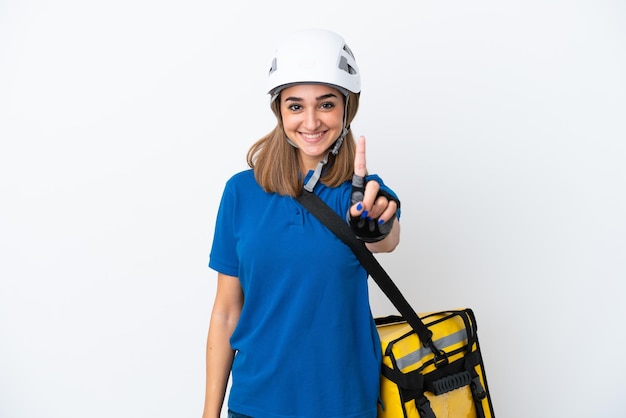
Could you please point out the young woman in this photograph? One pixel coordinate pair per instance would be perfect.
(291, 318)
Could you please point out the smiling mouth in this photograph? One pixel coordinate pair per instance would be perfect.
(312, 137)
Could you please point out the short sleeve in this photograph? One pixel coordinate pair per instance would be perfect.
(223, 256)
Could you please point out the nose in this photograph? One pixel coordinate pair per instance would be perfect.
(311, 120)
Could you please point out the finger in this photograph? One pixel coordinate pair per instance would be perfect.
(389, 212)
(363, 196)
(379, 207)
(356, 209)
(369, 196)
(358, 179)
(360, 167)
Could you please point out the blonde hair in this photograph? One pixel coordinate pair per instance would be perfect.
(275, 161)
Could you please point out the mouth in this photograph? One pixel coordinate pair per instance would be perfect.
(312, 137)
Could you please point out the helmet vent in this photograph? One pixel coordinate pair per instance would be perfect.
(343, 65)
(345, 48)
(274, 66)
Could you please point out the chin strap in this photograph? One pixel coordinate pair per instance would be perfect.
(310, 184)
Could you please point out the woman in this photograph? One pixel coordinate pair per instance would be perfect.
(291, 317)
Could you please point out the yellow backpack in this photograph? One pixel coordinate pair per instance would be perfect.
(416, 383)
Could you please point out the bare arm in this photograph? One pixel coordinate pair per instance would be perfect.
(219, 354)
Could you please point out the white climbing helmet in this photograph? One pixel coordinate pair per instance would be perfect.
(314, 56)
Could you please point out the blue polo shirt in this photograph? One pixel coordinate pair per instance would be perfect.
(306, 342)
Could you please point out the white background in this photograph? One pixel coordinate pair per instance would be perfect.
(500, 124)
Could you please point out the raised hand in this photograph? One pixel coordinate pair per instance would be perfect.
(372, 211)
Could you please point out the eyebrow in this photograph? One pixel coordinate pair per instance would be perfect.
(299, 99)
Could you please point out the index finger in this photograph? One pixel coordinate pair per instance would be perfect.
(360, 168)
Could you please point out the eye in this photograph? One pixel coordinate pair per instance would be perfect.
(327, 105)
(294, 107)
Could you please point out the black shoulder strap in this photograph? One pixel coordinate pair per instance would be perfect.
(336, 224)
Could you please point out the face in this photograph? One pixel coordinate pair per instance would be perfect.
(312, 117)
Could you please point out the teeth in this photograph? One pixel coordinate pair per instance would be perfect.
(312, 136)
